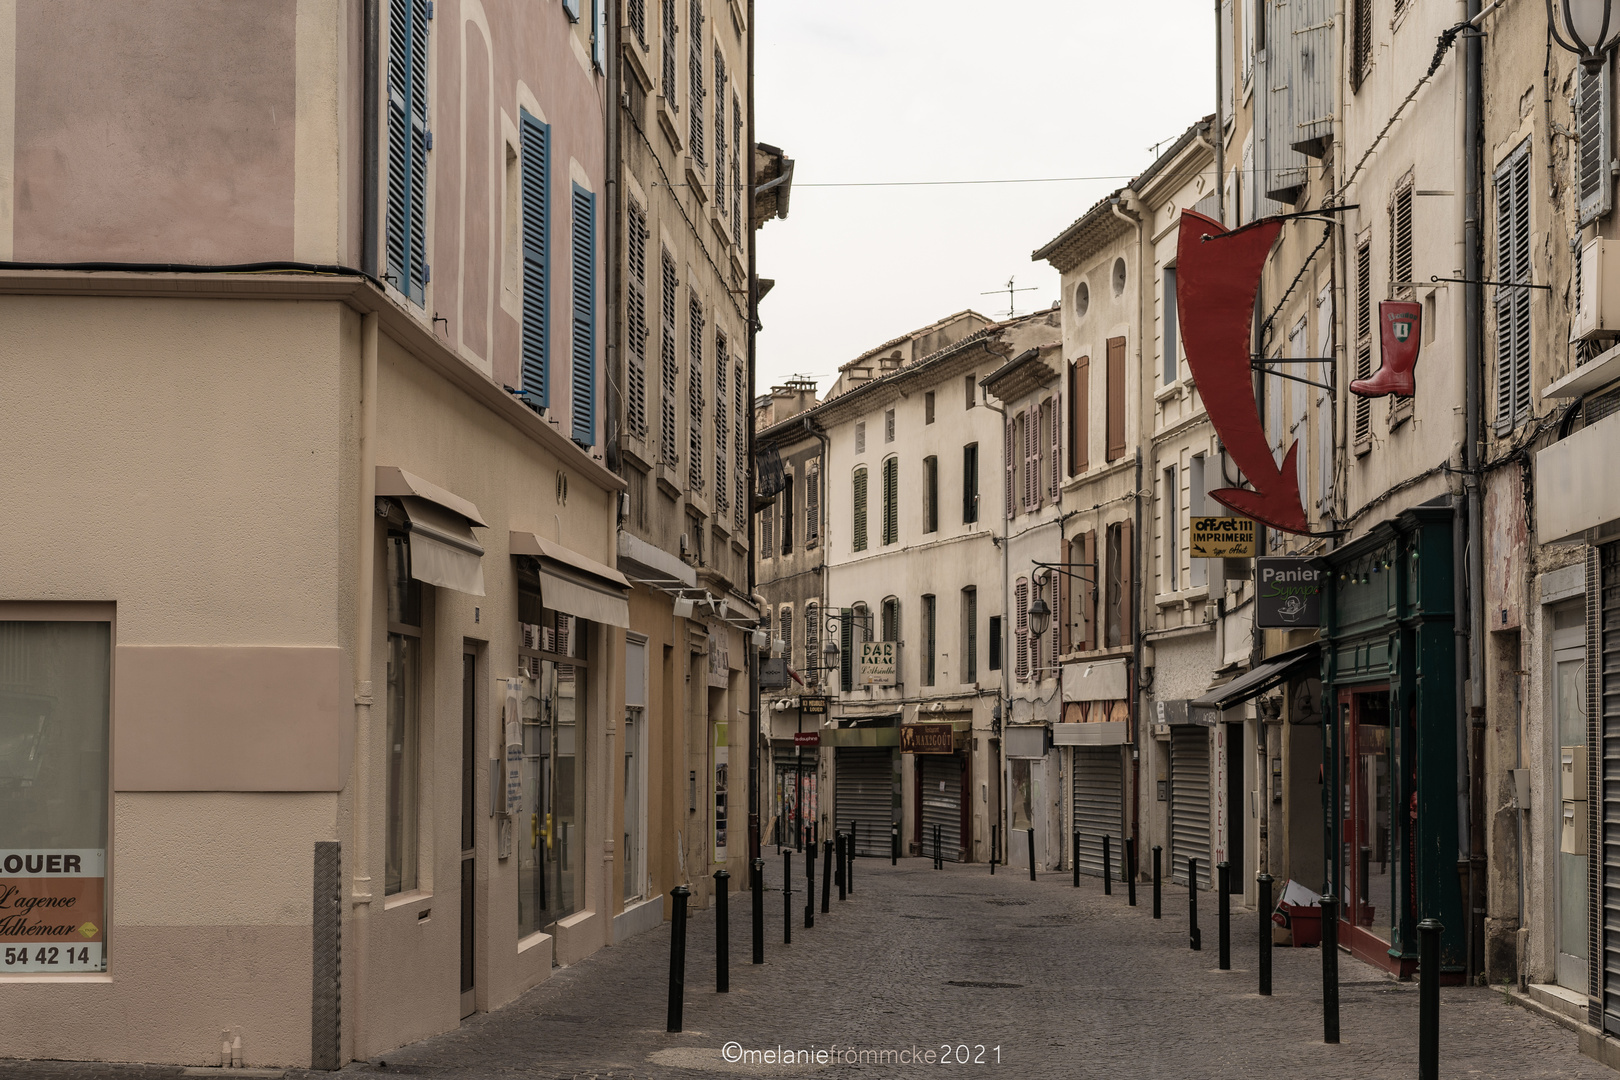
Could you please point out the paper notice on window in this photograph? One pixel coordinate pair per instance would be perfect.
(52, 910)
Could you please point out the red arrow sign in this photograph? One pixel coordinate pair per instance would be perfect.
(1217, 277)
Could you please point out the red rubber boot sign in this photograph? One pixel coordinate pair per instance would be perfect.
(1400, 335)
(1218, 274)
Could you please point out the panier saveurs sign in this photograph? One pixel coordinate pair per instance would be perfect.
(52, 910)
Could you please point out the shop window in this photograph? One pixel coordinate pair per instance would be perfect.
(549, 824)
(404, 717)
(55, 685)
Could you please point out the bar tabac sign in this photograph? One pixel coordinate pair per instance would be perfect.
(880, 663)
(52, 915)
(1222, 538)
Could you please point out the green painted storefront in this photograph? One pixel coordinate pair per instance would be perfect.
(1389, 678)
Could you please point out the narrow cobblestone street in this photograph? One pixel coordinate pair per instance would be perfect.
(1057, 982)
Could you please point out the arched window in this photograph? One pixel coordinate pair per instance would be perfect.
(891, 620)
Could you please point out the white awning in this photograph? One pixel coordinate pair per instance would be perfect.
(444, 551)
(574, 584)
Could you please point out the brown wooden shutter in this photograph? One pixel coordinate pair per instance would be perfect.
(1032, 458)
(1011, 463)
(1056, 470)
(1088, 604)
(1116, 398)
(1061, 616)
(1079, 418)
(1127, 577)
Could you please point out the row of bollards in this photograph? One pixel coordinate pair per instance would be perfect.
(838, 862)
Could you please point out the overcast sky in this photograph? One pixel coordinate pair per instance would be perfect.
(910, 90)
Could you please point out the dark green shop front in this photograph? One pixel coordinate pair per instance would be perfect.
(1389, 678)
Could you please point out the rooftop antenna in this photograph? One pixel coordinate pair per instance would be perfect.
(1012, 310)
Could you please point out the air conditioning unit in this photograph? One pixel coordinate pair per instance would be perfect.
(1597, 291)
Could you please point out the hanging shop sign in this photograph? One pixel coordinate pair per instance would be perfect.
(1222, 538)
(52, 910)
(773, 673)
(807, 738)
(1289, 593)
(1400, 336)
(1218, 276)
(880, 662)
(926, 739)
(815, 704)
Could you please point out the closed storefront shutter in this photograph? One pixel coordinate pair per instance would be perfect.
(1189, 801)
(1099, 799)
(941, 796)
(1604, 691)
(865, 795)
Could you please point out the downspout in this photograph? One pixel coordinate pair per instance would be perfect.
(1004, 695)
(753, 561)
(368, 140)
(1220, 120)
(1471, 746)
(1137, 620)
(366, 509)
(610, 249)
(1341, 421)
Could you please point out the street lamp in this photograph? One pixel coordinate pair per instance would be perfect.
(1587, 28)
(1040, 617)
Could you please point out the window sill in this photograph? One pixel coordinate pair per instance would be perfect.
(1171, 392)
(1363, 446)
(539, 937)
(404, 899)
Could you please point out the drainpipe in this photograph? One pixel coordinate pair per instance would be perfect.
(360, 860)
(1220, 120)
(610, 247)
(1471, 745)
(1004, 697)
(753, 560)
(1144, 296)
(368, 140)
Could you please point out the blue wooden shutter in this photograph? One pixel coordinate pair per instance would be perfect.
(584, 388)
(536, 168)
(406, 241)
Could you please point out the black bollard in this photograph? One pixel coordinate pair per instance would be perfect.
(1076, 859)
(826, 878)
(1265, 934)
(1223, 912)
(787, 897)
(993, 852)
(849, 858)
(1195, 940)
(722, 932)
(836, 867)
(1429, 999)
(1158, 850)
(1031, 835)
(1330, 969)
(894, 845)
(810, 887)
(1130, 871)
(677, 957)
(1108, 866)
(759, 911)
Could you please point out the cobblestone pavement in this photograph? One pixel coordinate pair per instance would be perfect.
(1065, 982)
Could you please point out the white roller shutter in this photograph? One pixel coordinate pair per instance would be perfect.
(864, 791)
(1189, 801)
(1099, 800)
(941, 780)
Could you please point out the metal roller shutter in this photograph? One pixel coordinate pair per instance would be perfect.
(941, 780)
(1099, 800)
(1605, 682)
(864, 789)
(1189, 801)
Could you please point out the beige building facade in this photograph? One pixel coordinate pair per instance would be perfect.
(318, 462)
